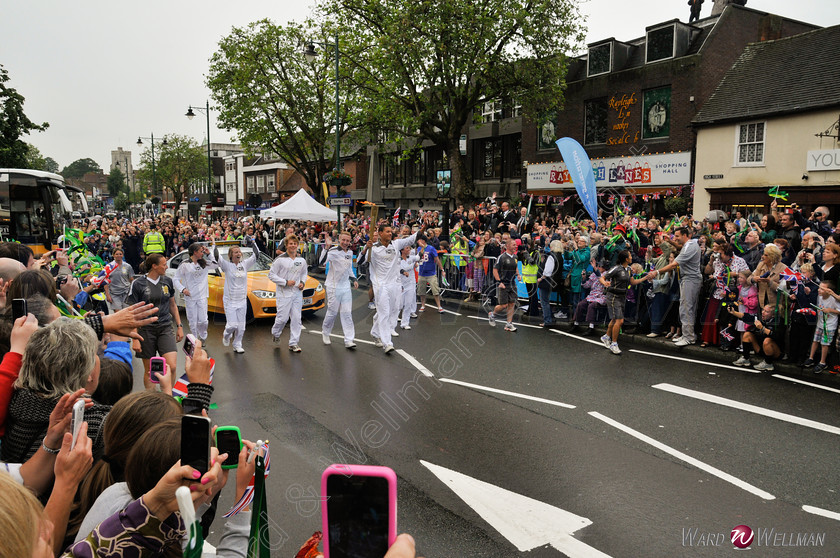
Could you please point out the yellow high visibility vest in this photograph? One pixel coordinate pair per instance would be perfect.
(153, 243)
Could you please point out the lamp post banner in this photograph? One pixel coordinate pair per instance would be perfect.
(580, 171)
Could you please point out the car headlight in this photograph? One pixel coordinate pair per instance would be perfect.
(319, 288)
(264, 294)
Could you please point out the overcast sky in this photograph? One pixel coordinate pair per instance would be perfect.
(103, 73)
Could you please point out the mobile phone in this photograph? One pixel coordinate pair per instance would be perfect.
(189, 344)
(76, 420)
(229, 441)
(156, 364)
(360, 510)
(195, 442)
(191, 406)
(18, 308)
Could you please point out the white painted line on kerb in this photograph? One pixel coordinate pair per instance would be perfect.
(749, 408)
(342, 337)
(706, 363)
(500, 321)
(510, 393)
(687, 458)
(822, 512)
(803, 382)
(444, 309)
(414, 362)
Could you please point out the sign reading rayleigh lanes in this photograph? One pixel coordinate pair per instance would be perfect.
(823, 160)
(667, 169)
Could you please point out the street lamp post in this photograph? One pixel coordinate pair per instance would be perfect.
(154, 174)
(190, 114)
(310, 53)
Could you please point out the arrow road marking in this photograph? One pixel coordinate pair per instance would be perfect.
(683, 457)
(525, 522)
(510, 393)
(749, 408)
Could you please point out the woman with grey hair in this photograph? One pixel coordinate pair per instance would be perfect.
(60, 358)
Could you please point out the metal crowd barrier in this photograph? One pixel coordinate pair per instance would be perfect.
(462, 275)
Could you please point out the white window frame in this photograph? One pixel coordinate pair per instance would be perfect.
(516, 108)
(260, 183)
(673, 44)
(491, 110)
(250, 184)
(737, 162)
(589, 58)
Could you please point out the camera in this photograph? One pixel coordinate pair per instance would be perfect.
(818, 214)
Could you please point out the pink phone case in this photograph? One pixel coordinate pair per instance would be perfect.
(363, 471)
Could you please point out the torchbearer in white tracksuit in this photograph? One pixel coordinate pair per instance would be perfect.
(289, 273)
(408, 282)
(235, 295)
(337, 283)
(384, 258)
(191, 281)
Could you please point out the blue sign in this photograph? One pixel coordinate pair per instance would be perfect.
(580, 171)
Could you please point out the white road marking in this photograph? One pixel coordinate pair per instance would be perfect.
(822, 512)
(510, 393)
(687, 458)
(444, 309)
(779, 376)
(706, 363)
(525, 522)
(502, 320)
(414, 362)
(357, 340)
(749, 408)
(593, 341)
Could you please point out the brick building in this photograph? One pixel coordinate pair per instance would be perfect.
(631, 105)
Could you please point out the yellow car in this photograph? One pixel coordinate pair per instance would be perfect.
(261, 291)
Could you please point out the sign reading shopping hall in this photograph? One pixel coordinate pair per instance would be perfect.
(644, 171)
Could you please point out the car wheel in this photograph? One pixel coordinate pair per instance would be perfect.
(249, 314)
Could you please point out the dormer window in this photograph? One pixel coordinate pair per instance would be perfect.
(660, 43)
(599, 59)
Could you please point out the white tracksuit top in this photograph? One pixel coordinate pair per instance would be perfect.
(236, 277)
(341, 268)
(285, 269)
(408, 265)
(385, 261)
(193, 277)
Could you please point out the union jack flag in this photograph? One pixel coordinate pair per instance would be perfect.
(790, 275)
(248, 495)
(180, 387)
(725, 334)
(396, 218)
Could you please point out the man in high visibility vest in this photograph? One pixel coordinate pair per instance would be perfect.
(153, 242)
(459, 251)
(530, 268)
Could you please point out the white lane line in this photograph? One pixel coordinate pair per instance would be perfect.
(749, 408)
(414, 362)
(779, 376)
(502, 320)
(357, 340)
(696, 361)
(822, 512)
(510, 393)
(578, 337)
(687, 458)
(444, 309)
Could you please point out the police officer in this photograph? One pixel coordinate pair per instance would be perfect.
(153, 242)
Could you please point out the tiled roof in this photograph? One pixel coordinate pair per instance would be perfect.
(786, 75)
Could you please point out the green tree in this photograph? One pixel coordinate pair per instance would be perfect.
(35, 160)
(180, 164)
(116, 182)
(121, 202)
(425, 65)
(278, 101)
(79, 167)
(14, 124)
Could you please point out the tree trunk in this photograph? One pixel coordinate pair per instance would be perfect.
(461, 179)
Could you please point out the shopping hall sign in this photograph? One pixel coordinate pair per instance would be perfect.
(645, 171)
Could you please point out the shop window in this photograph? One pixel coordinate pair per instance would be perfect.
(599, 60)
(750, 144)
(660, 44)
(595, 121)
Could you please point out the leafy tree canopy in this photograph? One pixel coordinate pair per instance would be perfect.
(116, 182)
(14, 123)
(79, 167)
(180, 163)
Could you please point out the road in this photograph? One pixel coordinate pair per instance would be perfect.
(538, 443)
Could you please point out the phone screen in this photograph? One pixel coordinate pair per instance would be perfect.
(189, 347)
(227, 441)
(155, 366)
(18, 308)
(358, 514)
(195, 442)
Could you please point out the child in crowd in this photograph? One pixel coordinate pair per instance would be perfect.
(803, 319)
(829, 308)
(587, 309)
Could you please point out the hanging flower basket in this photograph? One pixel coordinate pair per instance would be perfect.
(338, 178)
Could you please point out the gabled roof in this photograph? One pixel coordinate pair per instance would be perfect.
(777, 77)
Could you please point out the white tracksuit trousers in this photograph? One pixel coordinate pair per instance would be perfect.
(340, 301)
(235, 312)
(197, 316)
(288, 309)
(387, 299)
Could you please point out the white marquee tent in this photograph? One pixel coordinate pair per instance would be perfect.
(301, 206)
